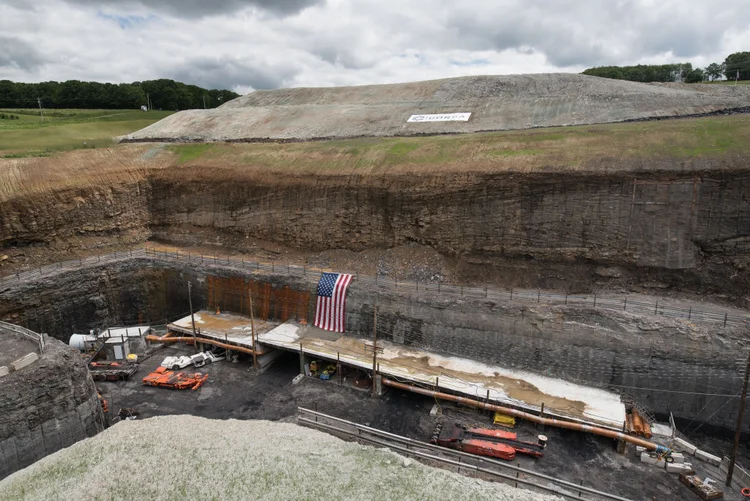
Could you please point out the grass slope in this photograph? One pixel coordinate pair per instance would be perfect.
(185, 457)
(68, 129)
(642, 145)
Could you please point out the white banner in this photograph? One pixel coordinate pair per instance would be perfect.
(443, 117)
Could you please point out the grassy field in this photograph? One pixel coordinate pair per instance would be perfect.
(29, 135)
(564, 148)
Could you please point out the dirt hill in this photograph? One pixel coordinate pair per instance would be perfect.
(495, 103)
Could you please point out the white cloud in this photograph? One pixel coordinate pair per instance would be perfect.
(243, 44)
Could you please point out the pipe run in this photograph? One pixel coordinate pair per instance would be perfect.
(189, 340)
(530, 417)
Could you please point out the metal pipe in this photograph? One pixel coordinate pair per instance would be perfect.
(603, 432)
(189, 340)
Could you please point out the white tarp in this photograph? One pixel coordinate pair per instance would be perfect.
(441, 117)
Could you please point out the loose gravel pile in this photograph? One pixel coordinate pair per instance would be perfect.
(495, 102)
(186, 457)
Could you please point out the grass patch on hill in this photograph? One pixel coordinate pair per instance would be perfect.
(60, 130)
(189, 152)
(568, 148)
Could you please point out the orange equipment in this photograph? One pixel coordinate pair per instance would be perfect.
(486, 442)
(102, 401)
(163, 378)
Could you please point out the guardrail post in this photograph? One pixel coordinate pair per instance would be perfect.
(594, 300)
(656, 308)
(485, 290)
(725, 319)
(690, 312)
(538, 295)
(511, 293)
(566, 298)
(625, 304)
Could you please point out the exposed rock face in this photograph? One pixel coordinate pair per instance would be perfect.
(642, 355)
(550, 229)
(688, 232)
(47, 406)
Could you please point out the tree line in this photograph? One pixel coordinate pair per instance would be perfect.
(156, 94)
(735, 66)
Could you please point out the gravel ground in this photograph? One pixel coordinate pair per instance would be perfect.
(502, 102)
(180, 457)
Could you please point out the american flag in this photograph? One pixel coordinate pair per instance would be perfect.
(331, 307)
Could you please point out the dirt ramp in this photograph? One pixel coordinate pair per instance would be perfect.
(495, 103)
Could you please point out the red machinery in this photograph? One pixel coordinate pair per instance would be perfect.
(163, 378)
(484, 442)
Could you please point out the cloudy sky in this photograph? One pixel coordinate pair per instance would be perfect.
(260, 44)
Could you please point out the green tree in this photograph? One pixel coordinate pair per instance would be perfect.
(694, 76)
(739, 62)
(714, 71)
(642, 72)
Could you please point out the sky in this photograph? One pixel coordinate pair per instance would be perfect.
(264, 44)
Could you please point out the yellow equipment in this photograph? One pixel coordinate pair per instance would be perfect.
(503, 420)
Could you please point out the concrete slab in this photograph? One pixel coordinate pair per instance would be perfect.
(500, 385)
(24, 361)
(223, 327)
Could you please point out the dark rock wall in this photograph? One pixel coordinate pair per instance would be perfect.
(46, 406)
(692, 233)
(666, 364)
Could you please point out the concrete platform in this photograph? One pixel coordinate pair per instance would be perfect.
(226, 327)
(520, 389)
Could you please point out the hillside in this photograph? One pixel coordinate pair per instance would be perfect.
(495, 103)
(180, 457)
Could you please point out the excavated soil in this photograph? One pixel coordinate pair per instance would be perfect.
(495, 103)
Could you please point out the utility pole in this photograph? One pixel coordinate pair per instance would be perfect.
(41, 111)
(252, 328)
(148, 102)
(738, 431)
(192, 316)
(374, 349)
(204, 102)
